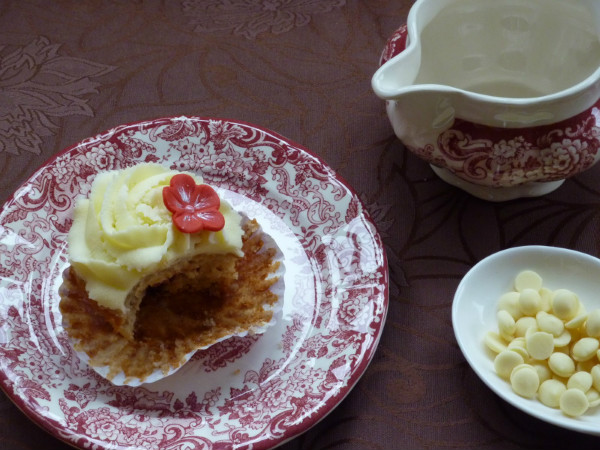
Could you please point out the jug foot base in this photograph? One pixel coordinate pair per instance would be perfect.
(498, 194)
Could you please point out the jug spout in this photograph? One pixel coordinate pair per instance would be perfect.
(397, 75)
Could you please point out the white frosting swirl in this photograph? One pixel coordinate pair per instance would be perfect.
(123, 231)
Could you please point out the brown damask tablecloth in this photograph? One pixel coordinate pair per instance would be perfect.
(70, 69)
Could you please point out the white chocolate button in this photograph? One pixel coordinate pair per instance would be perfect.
(546, 296)
(525, 380)
(540, 345)
(523, 324)
(593, 397)
(542, 370)
(576, 321)
(592, 326)
(528, 279)
(530, 301)
(561, 364)
(550, 392)
(562, 340)
(510, 302)
(506, 361)
(519, 345)
(506, 324)
(595, 372)
(494, 342)
(521, 366)
(573, 402)
(549, 323)
(585, 349)
(565, 304)
(517, 342)
(580, 380)
(532, 329)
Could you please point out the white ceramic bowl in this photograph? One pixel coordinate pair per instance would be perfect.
(474, 314)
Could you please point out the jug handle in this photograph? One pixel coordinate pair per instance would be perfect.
(395, 45)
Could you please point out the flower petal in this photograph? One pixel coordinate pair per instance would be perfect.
(185, 185)
(211, 220)
(205, 198)
(172, 200)
(177, 195)
(188, 223)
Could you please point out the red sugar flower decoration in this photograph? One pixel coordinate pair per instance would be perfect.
(195, 207)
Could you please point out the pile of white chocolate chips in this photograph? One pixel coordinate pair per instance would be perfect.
(547, 345)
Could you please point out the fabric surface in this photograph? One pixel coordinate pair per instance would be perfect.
(70, 69)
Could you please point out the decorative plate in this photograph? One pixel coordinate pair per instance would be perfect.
(253, 392)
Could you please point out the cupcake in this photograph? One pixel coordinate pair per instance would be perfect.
(159, 267)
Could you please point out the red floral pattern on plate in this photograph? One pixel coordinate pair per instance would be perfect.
(252, 392)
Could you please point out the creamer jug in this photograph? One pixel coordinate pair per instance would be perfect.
(501, 97)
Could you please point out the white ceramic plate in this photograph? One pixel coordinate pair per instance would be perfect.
(257, 391)
(475, 306)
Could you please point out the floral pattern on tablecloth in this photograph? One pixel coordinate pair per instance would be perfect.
(40, 84)
(251, 18)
